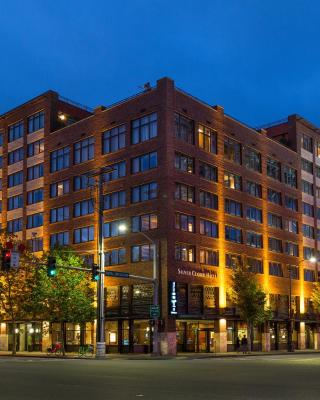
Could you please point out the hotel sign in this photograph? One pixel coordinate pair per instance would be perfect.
(203, 273)
(173, 298)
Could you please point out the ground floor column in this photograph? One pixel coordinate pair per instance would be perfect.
(266, 338)
(168, 338)
(302, 336)
(220, 333)
(316, 334)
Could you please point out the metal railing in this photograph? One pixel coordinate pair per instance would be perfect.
(74, 103)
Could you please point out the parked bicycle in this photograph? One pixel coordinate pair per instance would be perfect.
(55, 349)
(86, 350)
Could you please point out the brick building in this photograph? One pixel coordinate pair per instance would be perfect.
(211, 191)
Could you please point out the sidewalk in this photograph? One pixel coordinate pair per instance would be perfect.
(179, 356)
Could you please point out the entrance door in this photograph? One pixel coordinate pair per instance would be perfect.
(206, 343)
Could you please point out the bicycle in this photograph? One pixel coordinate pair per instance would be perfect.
(55, 349)
(86, 350)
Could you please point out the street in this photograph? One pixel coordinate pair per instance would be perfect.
(258, 377)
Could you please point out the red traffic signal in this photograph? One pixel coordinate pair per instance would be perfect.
(6, 260)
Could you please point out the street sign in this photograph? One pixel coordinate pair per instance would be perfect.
(14, 261)
(154, 311)
(117, 274)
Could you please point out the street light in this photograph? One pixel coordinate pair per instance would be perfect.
(122, 229)
(313, 260)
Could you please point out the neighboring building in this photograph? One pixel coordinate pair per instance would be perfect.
(210, 190)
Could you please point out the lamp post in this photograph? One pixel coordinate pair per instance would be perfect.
(313, 260)
(155, 281)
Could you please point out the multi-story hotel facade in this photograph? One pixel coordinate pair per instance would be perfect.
(209, 190)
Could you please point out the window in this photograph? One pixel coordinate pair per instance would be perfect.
(184, 252)
(111, 228)
(291, 225)
(14, 225)
(144, 128)
(184, 192)
(232, 207)
(307, 165)
(34, 220)
(114, 139)
(208, 172)
(59, 214)
(184, 128)
(83, 182)
(307, 209)
(115, 257)
(144, 162)
(309, 275)
(233, 260)
(142, 253)
(114, 200)
(293, 271)
(254, 214)
(275, 269)
(207, 139)
(275, 245)
(84, 150)
(82, 235)
(208, 228)
(318, 192)
(307, 187)
(15, 131)
(59, 239)
(254, 189)
(15, 202)
(15, 179)
(274, 169)
(60, 159)
(255, 265)
(118, 171)
(15, 156)
(83, 207)
(36, 122)
(146, 192)
(291, 249)
(35, 244)
(209, 257)
(232, 181)
(233, 234)
(254, 239)
(208, 200)
(308, 231)
(184, 163)
(146, 222)
(274, 196)
(35, 172)
(252, 159)
(291, 203)
(1, 139)
(308, 252)
(35, 148)
(185, 222)
(307, 143)
(290, 176)
(318, 211)
(232, 150)
(60, 188)
(275, 221)
(35, 196)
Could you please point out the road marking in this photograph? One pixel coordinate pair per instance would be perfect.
(139, 395)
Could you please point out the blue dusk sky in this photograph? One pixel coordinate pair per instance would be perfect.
(259, 59)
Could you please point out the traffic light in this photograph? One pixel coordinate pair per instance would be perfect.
(95, 274)
(51, 267)
(6, 260)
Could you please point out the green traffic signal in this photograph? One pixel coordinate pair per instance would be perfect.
(51, 267)
(95, 273)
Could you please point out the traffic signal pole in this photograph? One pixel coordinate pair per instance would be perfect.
(100, 332)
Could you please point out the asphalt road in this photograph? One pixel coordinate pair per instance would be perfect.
(261, 377)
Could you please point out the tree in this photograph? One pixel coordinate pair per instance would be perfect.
(15, 287)
(315, 297)
(249, 297)
(66, 297)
